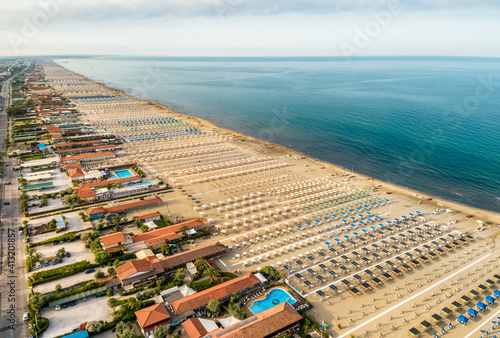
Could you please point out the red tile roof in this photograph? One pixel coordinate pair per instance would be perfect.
(150, 215)
(130, 268)
(121, 207)
(264, 324)
(170, 232)
(152, 315)
(220, 291)
(78, 172)
(102, 183)
(194, 328)
(89, 155)
(113, 238)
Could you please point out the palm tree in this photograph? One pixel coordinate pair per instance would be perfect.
(212, 273)
(36, 256)
(201, 264)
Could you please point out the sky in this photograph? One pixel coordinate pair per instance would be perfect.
(250, 27)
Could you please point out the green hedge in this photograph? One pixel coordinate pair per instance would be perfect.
(60, 272)
(89, 286)
(67, 236)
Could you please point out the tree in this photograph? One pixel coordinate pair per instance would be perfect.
(118, 184)
(212, 273)
(120, 327)
(36, 256)
(102, 257)
(144, 228)
(166, 249)
(67, 199)
(128, 333)
(36, 301)
(61, 252)
(116, 220)
(271, 272)
(58, 288)
(201, 264)
(111, 271)
(236, 311)
(213, 305)
(183, 230)
(98, 274)
(110, 292)
(160, 331)
(179, 274)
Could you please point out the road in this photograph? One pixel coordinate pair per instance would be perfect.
(13, 280)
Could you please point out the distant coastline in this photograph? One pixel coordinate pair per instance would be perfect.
(457, 205)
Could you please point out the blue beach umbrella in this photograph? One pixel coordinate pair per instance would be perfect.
(481, 306)
(473, 313)
(462, 319)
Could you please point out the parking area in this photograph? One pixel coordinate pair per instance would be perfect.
(77, 251)
(66, 319)
(52, 203)
(66, 281)
(61, 182)
(75, 223)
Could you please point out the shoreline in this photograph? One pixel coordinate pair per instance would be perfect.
(489, 217)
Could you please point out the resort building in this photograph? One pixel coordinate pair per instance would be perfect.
(222, 292)
(115, 241)
(98, 156)
(110, 211)
(168, 234)
(198, 327)
(151, 317)
(266, 324)
(137, 273)
(154, 216)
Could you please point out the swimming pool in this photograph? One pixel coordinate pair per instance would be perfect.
(273, 298)
(123, 173)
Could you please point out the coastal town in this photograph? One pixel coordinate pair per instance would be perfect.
(124, 218)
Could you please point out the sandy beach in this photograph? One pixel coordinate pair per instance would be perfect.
(274, 206)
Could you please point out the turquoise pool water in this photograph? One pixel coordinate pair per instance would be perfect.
(123, 173)
(273, 298)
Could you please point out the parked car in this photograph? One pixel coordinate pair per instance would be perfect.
(58, 307)
(84, 299)
(68, 254)
(21, 228)
(7, 183)
(72, 303)
(6, 203)
(65, 305)
(59, 260)
(55, 242)
(54, 262)
(38, 265)
(89, 271)
(26, 316)
(47, 263)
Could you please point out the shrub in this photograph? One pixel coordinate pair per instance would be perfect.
(62, 271)
(110, 292)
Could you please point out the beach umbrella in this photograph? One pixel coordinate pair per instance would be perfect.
(473, 313)
(481, 306)
(462, 319)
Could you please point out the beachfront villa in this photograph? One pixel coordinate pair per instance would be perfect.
(269, 323)
(137, 273)
(109, 212)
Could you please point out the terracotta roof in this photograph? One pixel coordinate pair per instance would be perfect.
(72, 165)
(264, 324)
(220, 291)
(89, 155)
(194, 328)
(86, 194)
(113, 238)
(132, 267)
(83, 149)
(157, 236)
(60, 145)
(78, 172)
(182, 258)
(153, 214)
(152, 315)
(102, 183)
(121, 207)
